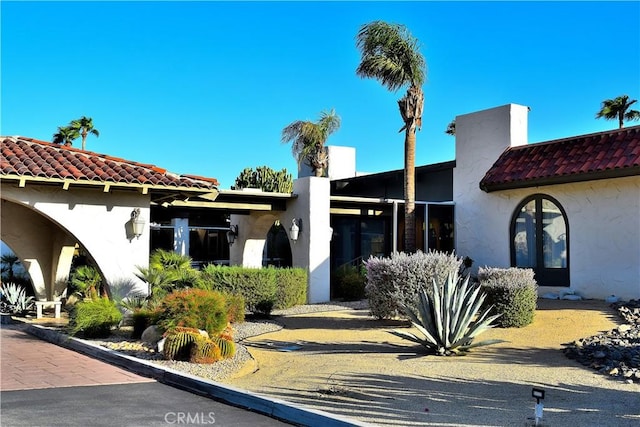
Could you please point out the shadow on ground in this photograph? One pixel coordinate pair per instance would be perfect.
(414, 400)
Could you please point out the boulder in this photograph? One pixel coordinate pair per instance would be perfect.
(151, 335)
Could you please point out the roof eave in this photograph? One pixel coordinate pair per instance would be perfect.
(105, 185)
(564, 179)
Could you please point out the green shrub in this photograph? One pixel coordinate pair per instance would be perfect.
(254, 284)
(349, 283)
(235, 308)
(194, 308)
(264, 308)
(513, 292)
(94, 318)
(291, 289)
(143, 318)
(394, 282)
(285, 287)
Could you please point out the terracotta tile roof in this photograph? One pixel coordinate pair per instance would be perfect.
(601, 155)
(31, 159)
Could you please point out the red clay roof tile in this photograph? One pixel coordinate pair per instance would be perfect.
(609, 154)
(29, 157)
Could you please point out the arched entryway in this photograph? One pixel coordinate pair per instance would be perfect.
(540, 239)
(277, 249)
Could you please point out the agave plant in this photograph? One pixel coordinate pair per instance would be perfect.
(16, 299)
(450, 318)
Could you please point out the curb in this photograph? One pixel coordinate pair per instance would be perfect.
(275, 408)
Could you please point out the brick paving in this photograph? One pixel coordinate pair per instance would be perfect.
(27, 363)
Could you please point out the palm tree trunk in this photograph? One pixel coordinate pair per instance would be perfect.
(411, 111)
(409, 190)
(84, 138)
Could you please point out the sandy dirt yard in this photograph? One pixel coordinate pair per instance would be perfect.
(345, 362)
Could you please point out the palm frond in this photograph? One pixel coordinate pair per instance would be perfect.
(390, 54)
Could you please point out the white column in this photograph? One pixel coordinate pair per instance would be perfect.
(312, 249)
(181, 235)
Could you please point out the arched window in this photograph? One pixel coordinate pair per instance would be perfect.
(540, 239)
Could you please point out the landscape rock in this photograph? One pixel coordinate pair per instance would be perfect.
(616, 352)
(151, 335)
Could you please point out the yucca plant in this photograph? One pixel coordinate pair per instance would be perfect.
(450, 318)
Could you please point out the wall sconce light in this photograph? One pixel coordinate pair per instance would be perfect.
(137, 223)
(296, 227)
(232, 234)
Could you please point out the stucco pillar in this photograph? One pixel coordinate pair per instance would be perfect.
(312, 249)
(482, 228)
(63, 249)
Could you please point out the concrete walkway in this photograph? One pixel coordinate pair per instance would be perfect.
(28, 363)
(46, 381)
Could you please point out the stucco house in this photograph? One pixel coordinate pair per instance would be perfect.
(58, 201)
(568, 208)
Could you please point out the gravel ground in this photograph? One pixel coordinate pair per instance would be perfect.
(121, 341)
(346, 363)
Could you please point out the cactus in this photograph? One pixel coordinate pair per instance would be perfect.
(179, 341)
(266, 179)
(204, 351)
(226, 346)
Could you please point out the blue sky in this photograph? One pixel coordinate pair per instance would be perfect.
(206, 88)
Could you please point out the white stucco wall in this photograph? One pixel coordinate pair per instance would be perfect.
(604, 236)
(312, 250)
(481, 219)
(342, 162)
(603, 216)
(100, 222)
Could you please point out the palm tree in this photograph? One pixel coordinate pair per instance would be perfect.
(391, 55)
(9, 261)
(309, 139)
(65, 136)
(84, 125)
(451, 128)
(618, 108)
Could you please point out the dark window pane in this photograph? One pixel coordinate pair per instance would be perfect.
(525, 236)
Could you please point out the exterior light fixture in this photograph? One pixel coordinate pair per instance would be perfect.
(137, 223)
(538, 394)
(296, 227)
(232, 234)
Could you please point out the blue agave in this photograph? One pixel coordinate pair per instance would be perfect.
(450, 318)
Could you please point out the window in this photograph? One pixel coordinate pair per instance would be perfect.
(539, 240)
